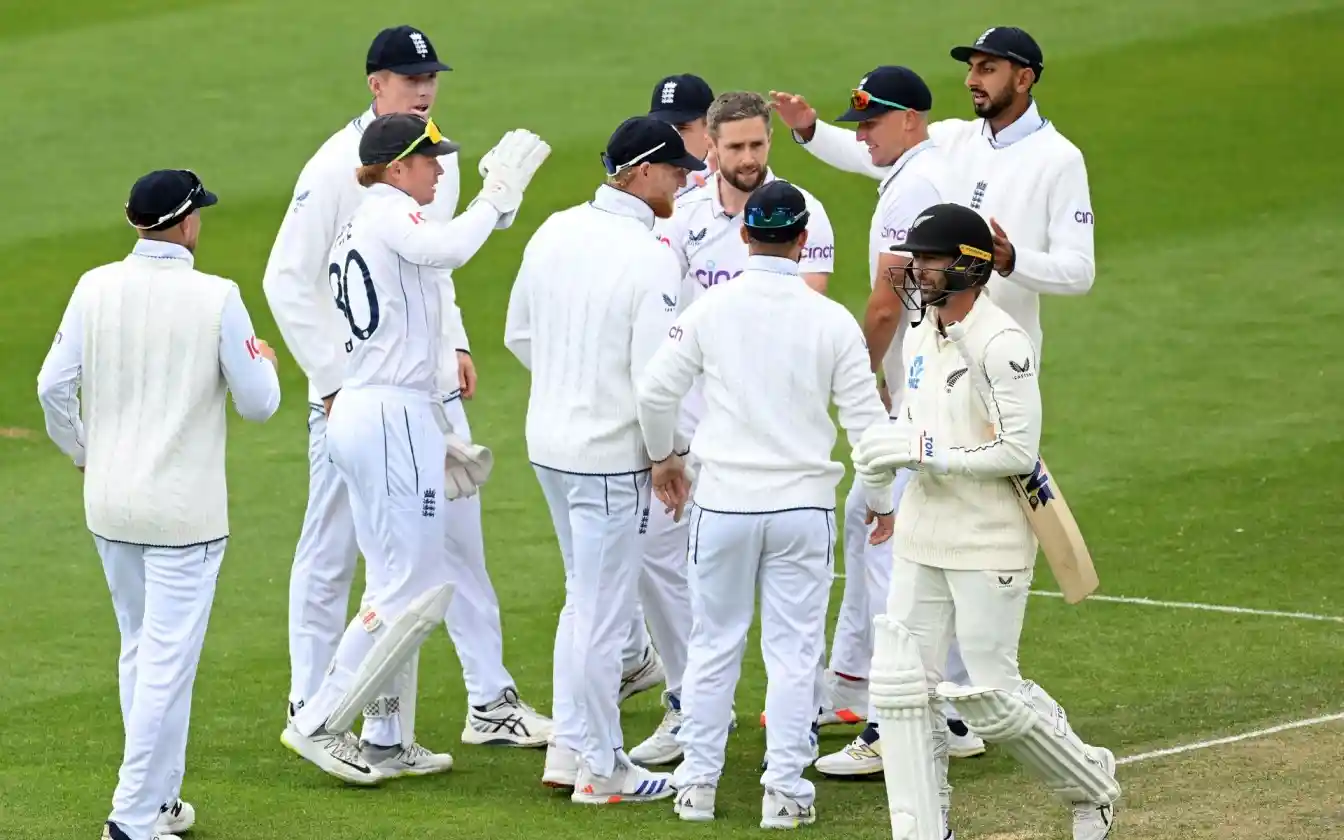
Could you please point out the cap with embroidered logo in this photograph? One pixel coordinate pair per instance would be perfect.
(681, 99)
(1007, 42)
(405, 51)
(165, 197)
(885, 89)
(647, 140)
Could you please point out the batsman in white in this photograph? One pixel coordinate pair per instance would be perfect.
(891, 105)
(134, 391)
(964, 549)
(388, 434)
(403, 69)
(705, 233)
(764, 514)
(595, 294)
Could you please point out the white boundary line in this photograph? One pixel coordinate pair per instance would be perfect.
(1217, 742)
(1148, 602)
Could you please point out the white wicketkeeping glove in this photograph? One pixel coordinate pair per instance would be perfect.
(508, 169)
(466, 468)
(883, 449)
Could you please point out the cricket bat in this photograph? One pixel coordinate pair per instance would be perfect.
(1047, 512)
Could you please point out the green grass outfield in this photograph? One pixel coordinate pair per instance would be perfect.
(1192, 400)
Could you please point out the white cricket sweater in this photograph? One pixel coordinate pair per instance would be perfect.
(595, 294)
(773, 355)
(154, 346)
(970, 518)
(298, 282)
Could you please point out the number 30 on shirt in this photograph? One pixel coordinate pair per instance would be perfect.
(361, 312)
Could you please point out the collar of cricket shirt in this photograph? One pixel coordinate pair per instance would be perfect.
(1024, 126)
(622, 203)
(155, 249)
(362, 121)
(712, 184)
(909, 155)
(775, 265)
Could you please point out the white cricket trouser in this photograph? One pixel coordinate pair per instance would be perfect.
(324, 568)
(162, 599)
(984, 610)
(664, 600)
(789, 556)
(598, 522)
(390, 453)
(868, 584)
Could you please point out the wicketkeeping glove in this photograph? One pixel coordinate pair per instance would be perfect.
(466, 468)
(508, 169)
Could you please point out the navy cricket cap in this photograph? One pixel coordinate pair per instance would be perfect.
(165, 197)
(884, 89)
(394, 136)
(647, 140)
(1006, 42)
(405, 51)
(681, 99)
(775, 212)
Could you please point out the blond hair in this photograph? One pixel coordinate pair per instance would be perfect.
(371, 174)
(734, 106)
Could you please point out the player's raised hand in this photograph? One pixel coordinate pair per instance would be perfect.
(795, 112)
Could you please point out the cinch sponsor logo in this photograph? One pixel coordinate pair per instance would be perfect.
(892, 233)
(1084, 217)
(709, 276)
(824, 252)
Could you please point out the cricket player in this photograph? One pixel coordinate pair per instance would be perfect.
(584, 321)
(683, 101)
(890, 105)
(402, 67)
(964, 550)
(389, 436)
(764, 513)
(134, 391)
(705, 233)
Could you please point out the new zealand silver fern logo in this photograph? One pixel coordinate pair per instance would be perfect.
(955, 375)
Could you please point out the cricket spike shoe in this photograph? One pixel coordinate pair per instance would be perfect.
(562, 766)
(863, 757)
(1095, 821)
(961, 741)
(647, 674)
(336, 755)
(413, 760)
(695, 803)
(175, 817)
(628, 782)
(661, 747)
(506, 722)
(780, 811)
(112, 831)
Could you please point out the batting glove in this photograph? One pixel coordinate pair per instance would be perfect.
(883, 449)
(508, 169)
(466, 468)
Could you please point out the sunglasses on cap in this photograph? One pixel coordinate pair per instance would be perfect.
(755, 217)
(432, 134)
(860, 99)
(613, 168)
(194, 195)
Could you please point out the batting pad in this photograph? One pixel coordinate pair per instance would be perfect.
(1041, 739)
(900, 698)
(391, 653)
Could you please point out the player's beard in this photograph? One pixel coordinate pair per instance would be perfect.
(662, 205)
(740, 182)
(993, 106)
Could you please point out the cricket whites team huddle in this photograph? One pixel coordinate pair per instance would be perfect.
(683, 355)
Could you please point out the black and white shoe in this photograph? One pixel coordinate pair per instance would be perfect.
(175, 817)
(337, 755)
(506, 722)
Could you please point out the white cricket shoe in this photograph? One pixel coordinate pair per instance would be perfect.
(1092, 821)
(562, 766)
(337, 755)
(843, 701)
(962, 742)
(175, 818)
(695, 803)
(507, 722)
(112, 832)
(647, 674)
(627, 783)
(780, 811)
(860, 758)
(413, 760)
(661, 747)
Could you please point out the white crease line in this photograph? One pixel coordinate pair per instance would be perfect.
(1147, 602)
(1245, 736)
